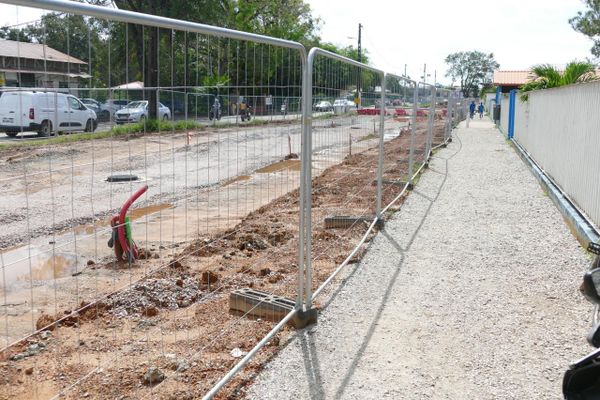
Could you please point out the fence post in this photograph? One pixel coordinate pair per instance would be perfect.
(304, 170)
(430, 125)
(413, 131)
(307, 172)
(511, 113)
(380, 159)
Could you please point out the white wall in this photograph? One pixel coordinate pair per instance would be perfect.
(504, 114)
(560, 128)
(489, 102)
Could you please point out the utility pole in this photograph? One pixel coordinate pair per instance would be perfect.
(357, 99)
(434, 77)
(405, 70)
(424, 73)
(359, 43)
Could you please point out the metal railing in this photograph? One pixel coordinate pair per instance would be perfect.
(269, 167)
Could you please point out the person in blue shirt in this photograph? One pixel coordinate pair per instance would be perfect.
(472, 109)
(480, 109)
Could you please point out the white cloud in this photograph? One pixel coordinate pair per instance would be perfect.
(13, 15)
(520, 33)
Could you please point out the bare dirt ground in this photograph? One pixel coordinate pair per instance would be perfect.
(58, 271)
(176, 318)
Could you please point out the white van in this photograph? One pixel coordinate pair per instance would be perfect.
(44, 113)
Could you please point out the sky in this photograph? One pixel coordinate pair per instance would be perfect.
(520, 33)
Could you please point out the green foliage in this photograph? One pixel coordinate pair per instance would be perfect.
(154, 125)
(588, 23)
(151, 126)
(285, 19)
(472, 68)
(14, 34)
(546, 76)
(487, 89)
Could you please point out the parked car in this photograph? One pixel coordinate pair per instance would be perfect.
(110, 107)
(323, 106)
(93, 105)
(342, 106)
(44, 113)
(137, 111)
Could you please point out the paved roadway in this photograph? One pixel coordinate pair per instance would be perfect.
(105, 126)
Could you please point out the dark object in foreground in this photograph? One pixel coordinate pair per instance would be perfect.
(122, 178)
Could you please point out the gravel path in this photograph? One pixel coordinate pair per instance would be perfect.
(469, 293)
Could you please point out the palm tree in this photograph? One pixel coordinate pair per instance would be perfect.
(546, 76)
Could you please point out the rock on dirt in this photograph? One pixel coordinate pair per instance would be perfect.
(32, 350)
(153, 376)
(208, 277)
(150, 311)
(44, 321)
(252, 242)
(237, 353)
(176, 364)
(149, 296)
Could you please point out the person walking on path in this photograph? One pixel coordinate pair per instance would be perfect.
(472, 109)
(480, 110)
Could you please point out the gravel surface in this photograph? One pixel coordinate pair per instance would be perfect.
(470, 292)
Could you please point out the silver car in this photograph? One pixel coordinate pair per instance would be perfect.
(108, 109)
(323, 106)
(137, 111)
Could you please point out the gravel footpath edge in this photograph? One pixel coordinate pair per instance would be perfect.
(469, 292)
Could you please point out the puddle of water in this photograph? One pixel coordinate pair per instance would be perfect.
(44, 265)
(133, 214)
(143, 211)
(48, 266)
(291, 165)
(238, 179)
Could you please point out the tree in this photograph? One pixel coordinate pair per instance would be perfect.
(118, 52)
(588, 23)
(285, 19)
(547, 76)
(472, 68)
(14, 34)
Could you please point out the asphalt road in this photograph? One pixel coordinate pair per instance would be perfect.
(105, 126)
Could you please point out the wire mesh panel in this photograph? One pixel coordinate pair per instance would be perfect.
(176, 145)
(423, 120)
(398, 137)
(441, 117)
(345, 147)
(169, 187)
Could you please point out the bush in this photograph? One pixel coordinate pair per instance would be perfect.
(154, 125)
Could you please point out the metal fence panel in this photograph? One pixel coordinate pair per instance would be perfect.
(343, 200)
(224, 149)
(254, 166)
